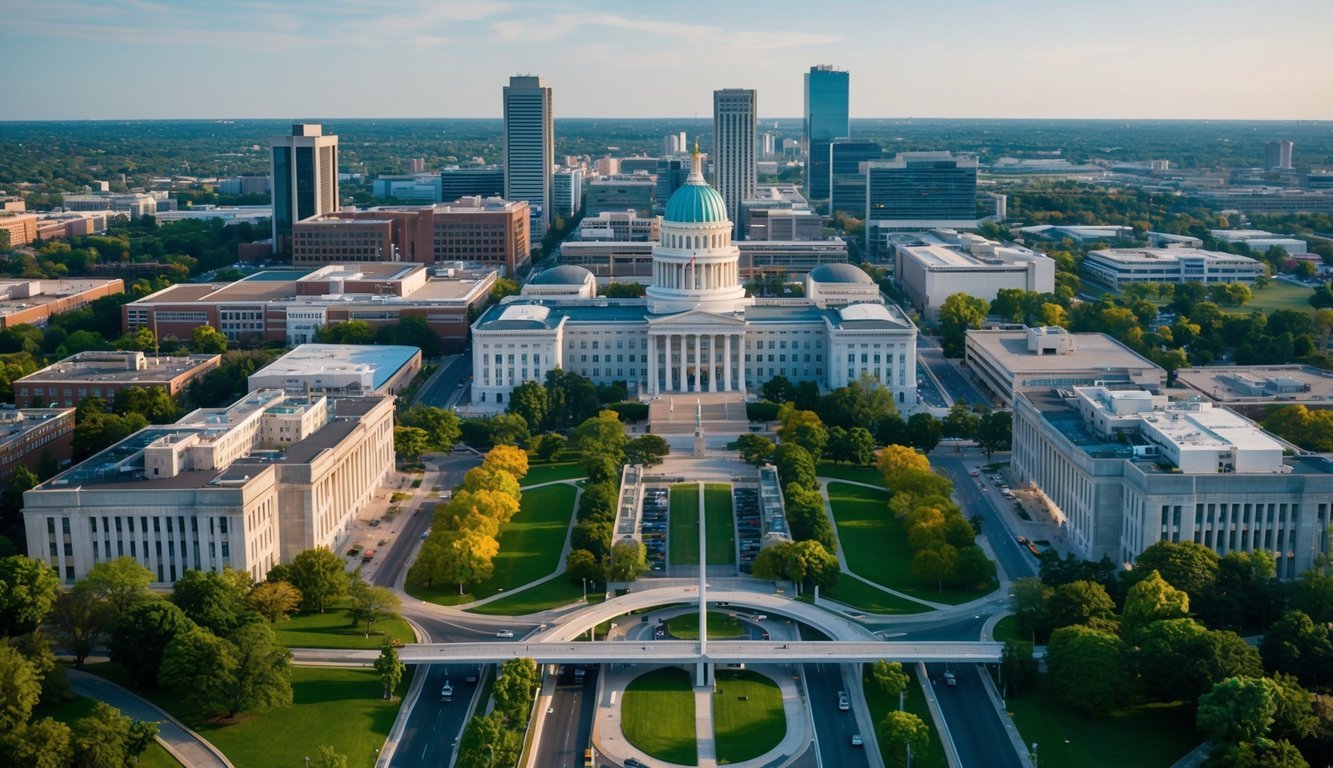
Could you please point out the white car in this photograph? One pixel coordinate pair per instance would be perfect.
(505, 634)
(857, 741)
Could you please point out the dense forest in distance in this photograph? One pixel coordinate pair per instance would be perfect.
(63, 156)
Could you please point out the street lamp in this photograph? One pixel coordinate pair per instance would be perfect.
(585, 590)
(1035, 763)
(307, 761)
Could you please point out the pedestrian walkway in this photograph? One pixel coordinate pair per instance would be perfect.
(184, 744)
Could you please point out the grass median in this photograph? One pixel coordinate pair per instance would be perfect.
(721, 626)
(881, 704)
(657, 715)
(748, 720)
(721, 524)
(683, 522)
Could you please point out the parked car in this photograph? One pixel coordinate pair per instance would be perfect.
(505, 634)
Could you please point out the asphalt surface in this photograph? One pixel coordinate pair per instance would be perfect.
(568, 727)
(833, 727)
(198, 753)
(953, 381)
(977, 730)
(433, 728)
(1014, 560)
(447, 386)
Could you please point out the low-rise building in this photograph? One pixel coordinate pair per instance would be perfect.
(288, 306)
(21, 227)
(1259, 240)
(1082, 235)
(248, 487)
(783, 224)
(30, 435)
(931, 266)
(564, 281)
(33, 302)
(1253, 390)
(632, 261)
(134, 204)
(232, 214)
(1118, 267)
(1123, 469)
(341, 370)
(620, 192)
(836, 285)
(1032, 358)
(102, 374)
(619, 225)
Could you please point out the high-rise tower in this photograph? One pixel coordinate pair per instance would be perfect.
(826, 119)
(1277, 154)
(305, 179)
(735, 131)
(529, 148)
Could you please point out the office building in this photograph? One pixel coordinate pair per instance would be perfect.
(133, 205)
(931, 266)
(1120, 470)
(923, 187)
(34, 302)
(30, 437)
(247, 486)
(1117, 267)
(102, 374)
(20, 228)
(341, 370)
(1259, 241)
(671, 173)
(1254, 390)
(1083, 235)
(304, 166)
(1277, 154)
(471, 182)
(632, 261)
(638, 164)
(826, 119)
(529, 148)
(735, 116)
(783, 224)
(847, 185)
(839, 284)
(245, 185)
(1267, 200)
(618, 225)
(1032, 358)
(567, 192)
(636, 192)
(347, 236)
(416, 188)
(231, 214)
(774, 197)
(694, 331)
(287, 306)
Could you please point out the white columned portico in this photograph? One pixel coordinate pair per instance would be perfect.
(712, 362)
(652, 366)
(726, 357)
(684, 382)
(697, 362)
(740, 365)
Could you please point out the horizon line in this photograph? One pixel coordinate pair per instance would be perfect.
(668, 117)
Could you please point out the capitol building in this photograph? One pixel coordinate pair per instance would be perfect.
(695, 331)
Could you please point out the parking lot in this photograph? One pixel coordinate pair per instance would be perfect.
(749, 528)
(653, 527)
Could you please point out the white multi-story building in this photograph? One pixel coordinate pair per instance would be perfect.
(1006, 361)
(247, 487)
(695, 330)
(1260, 240)
(931, 266)
(1123, 469)
(1118, 267)
(735, 121)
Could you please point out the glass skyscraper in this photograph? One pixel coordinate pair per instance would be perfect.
(826, 119)
(848, 188)
(529, 148)
(735, 132)
(304, 165)
(922, 186)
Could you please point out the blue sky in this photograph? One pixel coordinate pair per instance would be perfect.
(70, 59)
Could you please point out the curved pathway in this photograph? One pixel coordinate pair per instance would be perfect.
(191, 749)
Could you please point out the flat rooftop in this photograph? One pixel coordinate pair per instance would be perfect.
(1092, 352)
(1260, 383)
(1165, 255)
(17, 295)
(383, 361)
(285, 285)
(116, 367)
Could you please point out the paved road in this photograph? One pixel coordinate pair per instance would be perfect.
(444, 388)
(192, 748)
(833, 728)
(959, 388)
(977, 730)
(1016, 561)
(430, 738)
(568, 727)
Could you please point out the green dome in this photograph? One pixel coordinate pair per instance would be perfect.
(696, 203)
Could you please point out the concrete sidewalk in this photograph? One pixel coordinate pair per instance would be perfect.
(184, 744)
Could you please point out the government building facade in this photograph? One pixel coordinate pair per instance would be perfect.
(695, 330)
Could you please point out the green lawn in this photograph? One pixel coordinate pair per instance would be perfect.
(546, 473)
(880, 704)
(657, 715)
(1006, 629)
(847, 472)
(1157, 734)
(683, 524)
(555, 593)
(530, 547)
(720, 626)
(78, 707)
(864, 597)
(875, 543)
(334, 629)
(338, 707)
(1278, 294)
(747, 715)
(721, 524)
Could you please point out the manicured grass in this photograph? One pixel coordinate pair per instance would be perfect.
(334, 629)
(683, 519)
(747, 715)
(881, 704)
(1005, 629)
(862, 596)
(555, 593)
(79, 707)
(720, 626)
(721, 524)
(657, 715)
(847, 472)
(337, 707)
(530, 547)
(539, 473)
(875, 543)
(1150, 734)
(1278, 294)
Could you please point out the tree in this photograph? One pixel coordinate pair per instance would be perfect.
(122, 582)
(810, 563)
(582, 565)
(1152, 600)
(466, 557)
(20, 688)
(28, 590)
(1237, 709)
(1260, 753)
(897, 459)
(331, 758)
(890, 678)
(768, 564)
(141, 636)
(803, 428)
(923, 431)
(1086, 668)
(371, 604)
(754, 449)
(548, 446)
(961, 422)
(261, 678)
(1082, 602)
(1295, 717)
(441, 425)
(410, 442)
(207, 340)
(529, 402)
(647, 450)
(102, 739)
(1018, 667)
(1179, 658)
(1184, 565)
(603, 434)
(778, 389)
(1297, 646)
(390, 669)
(935, 564)
(995, 431)
(487, 743)
(514, 688)
(199, 665)
(571, 398)
(958, 314)
(905, 736)
(795, 466)
(855, 445)
(320, 576)
(41, 744)
(974, 570)
(628, 560)
(81, 620)
(214, 600)
(274, 600)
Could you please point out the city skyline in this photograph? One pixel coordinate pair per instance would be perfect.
(1038, 60)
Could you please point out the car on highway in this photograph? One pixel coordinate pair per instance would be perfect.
(447, 692)
(950, 680)
(632, 763)
(857, 741)
(844, 703)
(505, 634)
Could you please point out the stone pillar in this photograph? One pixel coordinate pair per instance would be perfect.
(726, 361)
(698, 363)
(712, 362)
(652, 366)
(740, 364)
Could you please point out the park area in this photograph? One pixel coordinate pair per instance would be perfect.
(335, 629)
(721, 626)
(748, 719)
(657, 715)
(684, 524)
